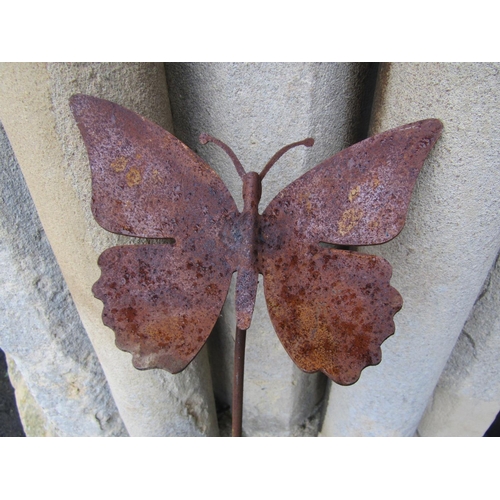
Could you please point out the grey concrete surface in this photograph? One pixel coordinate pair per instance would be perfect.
(467, 398)
(40, 328)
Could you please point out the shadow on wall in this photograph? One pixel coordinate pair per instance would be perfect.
(10, 423)
(494, 429)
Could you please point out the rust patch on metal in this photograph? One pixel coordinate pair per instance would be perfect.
(331, 308)
(133, 177)
(354, 193)
(349, 219)
(119, 164)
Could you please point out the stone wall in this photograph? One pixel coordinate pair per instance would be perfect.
(61, 353)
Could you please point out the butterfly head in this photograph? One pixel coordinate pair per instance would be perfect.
(252, 190)
(252, 181)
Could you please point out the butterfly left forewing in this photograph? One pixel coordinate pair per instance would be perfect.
(145, 181)
(332, 308)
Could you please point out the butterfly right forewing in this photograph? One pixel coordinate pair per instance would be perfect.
(361, 195)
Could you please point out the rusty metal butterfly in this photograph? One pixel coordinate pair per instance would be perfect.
(331, 308)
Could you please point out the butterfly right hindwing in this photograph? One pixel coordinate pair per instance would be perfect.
(331, 309)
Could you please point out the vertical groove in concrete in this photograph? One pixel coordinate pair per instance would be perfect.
(34, 110)
(256, 108)
(449, 243)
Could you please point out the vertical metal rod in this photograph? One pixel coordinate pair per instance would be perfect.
(238, 374)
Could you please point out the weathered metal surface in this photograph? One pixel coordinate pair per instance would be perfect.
(162, 301)
(331, 308)
(359, 196)
(145, 182)
(238, 375)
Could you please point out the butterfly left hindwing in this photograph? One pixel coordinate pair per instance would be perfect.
(161, 304)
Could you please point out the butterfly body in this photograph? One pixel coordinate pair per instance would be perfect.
(247, 250)
(331, 308)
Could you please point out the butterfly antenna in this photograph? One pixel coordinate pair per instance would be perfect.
(306, 142)
(204, 138)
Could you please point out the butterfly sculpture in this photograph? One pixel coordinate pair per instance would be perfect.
(331, 308)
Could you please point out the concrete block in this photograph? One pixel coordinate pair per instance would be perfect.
(34, 421)
(467, 397)
(60, 387)
(256, 108)
(444, 254)
(35, 112)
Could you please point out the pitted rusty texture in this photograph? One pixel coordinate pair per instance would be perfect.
(150, 293)
(359, 196)
(339, 301)
(331, 308)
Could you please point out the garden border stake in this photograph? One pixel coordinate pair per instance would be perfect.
(238, 377)
(331, 308)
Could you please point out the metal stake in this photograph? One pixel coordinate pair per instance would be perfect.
(238, 375)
